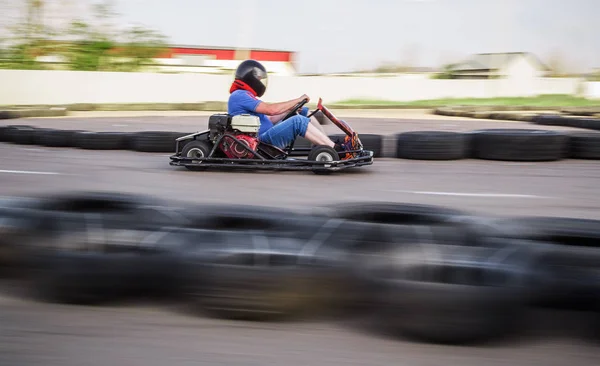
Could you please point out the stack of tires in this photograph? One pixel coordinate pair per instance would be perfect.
(144, 141)
(88, 247)
(430, 273)
(245, 262)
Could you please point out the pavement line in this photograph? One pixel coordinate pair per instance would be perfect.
(466, 194)
(28, 172)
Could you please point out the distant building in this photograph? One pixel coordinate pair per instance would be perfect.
(186, 59)
(499, 65)
(222, 59)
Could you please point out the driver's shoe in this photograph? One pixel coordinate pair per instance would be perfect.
(348, 143)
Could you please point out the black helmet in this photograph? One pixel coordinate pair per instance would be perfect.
(254, 74)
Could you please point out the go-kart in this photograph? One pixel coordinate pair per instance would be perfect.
(231, 142)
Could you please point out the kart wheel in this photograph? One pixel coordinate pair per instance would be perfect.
(323, 153)
(196, 149)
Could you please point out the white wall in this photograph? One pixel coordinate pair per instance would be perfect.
(592, 90)
(20, 87)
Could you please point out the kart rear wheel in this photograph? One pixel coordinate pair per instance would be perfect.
(322, 153)
(198, 149)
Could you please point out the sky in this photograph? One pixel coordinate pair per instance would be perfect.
(348, 35)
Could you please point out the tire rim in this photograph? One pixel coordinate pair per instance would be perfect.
(324, 156)
(195, 153)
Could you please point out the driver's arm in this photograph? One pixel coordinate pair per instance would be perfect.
(278, 117)
(276, 109)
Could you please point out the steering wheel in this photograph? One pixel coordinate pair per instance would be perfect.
(294, 110)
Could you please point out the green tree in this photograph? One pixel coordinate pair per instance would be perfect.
(97, 45)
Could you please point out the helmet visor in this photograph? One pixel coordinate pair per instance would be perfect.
(263, 77)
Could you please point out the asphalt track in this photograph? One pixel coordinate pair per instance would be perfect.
(46, 334)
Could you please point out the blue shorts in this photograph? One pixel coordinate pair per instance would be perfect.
(284, 132)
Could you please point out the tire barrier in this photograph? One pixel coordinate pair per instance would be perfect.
(432, 145)
(585, 146)
(569, 118)
(155, 141)
(31, 113)
(429, 273)
(519, 145)
(489, 144)
(102, 140)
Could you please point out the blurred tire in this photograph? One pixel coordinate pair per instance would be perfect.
(19, 230)
(58, 138)
(397, 213)
(8, 114)
(549, 120)
(260, 264)
(449, 294)
(567, 258)
(20, 134)
(95, 246)
(432, 145)
(102, 140)
(376, 228)
(39, 133)
(3, 133)
(155, 141)
(519, 145)
(584, 145)
(587, 123)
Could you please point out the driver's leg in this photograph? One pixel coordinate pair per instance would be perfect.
(314, 122)
(317, 137)
(284, 132)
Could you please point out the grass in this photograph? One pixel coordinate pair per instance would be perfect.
(549, 100)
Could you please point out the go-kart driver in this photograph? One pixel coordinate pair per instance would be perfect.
(250, 84)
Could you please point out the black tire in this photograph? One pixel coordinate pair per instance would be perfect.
(549, 120)
(449, 294)
(58, 138)
(258, 263)
(519, 145)
(373, 228)
(8, 115)
(39, 133)
(155, 141)
(96, 247)
(432, 145)
(196, 149)
(322, 153)
(19, 134)
(393, 213)
(102, 140)
(584, 145)
(3, 134)
(587, 123)
(370, 142)
(567, 272)
(19, 228)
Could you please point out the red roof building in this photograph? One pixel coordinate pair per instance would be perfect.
(226, 59)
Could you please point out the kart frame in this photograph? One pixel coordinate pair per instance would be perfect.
(268, 157)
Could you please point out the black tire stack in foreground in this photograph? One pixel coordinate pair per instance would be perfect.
(429, 273)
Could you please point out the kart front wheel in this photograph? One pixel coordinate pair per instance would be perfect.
(196, 149)
(323, 153)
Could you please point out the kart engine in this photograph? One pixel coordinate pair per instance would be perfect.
(234, 149)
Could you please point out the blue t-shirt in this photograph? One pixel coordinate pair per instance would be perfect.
(243, 102)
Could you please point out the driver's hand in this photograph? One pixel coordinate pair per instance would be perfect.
(304, 96)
